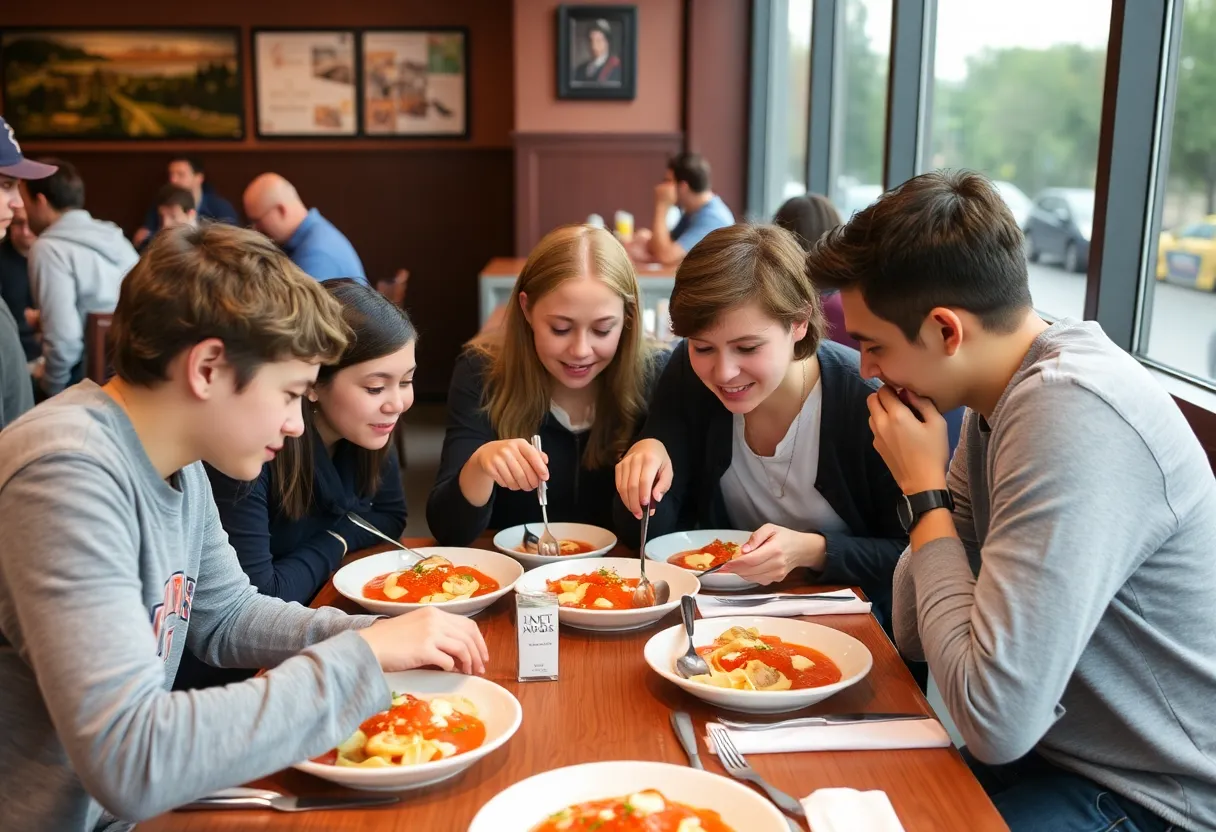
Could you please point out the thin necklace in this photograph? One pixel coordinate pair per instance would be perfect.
(793, 447)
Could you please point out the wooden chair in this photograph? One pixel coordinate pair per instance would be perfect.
(97, 347)
(394, 288)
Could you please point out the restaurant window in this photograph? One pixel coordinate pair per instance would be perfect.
(1017, 95)
(1181, 284)
(859, 102)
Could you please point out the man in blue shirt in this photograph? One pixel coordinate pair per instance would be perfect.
(312, 242)
(187, 172)
(687, 187)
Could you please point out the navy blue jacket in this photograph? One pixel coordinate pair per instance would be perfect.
(697, 430)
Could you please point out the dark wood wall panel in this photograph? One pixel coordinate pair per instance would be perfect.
(564, 177)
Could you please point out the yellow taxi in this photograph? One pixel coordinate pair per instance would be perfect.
(1188, 256)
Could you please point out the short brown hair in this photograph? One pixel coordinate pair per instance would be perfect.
(745, 263)
(170, 195)
(220, 281)
(940, 239)
(691, 168)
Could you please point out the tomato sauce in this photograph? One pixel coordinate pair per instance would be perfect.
(568, 547)
(414, 717)
(604, 584)
(587, 817)
(418, 584)
(779, 656)
(721, 551)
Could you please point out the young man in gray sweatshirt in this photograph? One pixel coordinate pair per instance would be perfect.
(76, 266)
(1060, 581)
(114, 559)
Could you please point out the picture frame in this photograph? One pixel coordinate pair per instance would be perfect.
(597, 52)
(305, 82)
(132, 83)
(415, 82)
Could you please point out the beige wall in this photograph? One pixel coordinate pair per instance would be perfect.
(657, 106)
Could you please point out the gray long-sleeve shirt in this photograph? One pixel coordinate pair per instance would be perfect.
(106, 572)
(1077, 617)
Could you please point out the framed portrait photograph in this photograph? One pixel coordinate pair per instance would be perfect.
(125, 84)
(597, 52)
(304, 83)
(416, 83)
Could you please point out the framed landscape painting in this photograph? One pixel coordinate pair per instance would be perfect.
(125, 84)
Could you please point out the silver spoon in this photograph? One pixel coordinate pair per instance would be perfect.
(547, 546)
(690, 664)
(647, 594)
(368, 527)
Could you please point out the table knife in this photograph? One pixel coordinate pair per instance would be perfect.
(681, 723)
(242, 798)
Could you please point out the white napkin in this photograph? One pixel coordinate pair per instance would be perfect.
(711, 607)
(855, 736)
(848, 810)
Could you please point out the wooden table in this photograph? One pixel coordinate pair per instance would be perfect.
(609, 705)
(497, 281)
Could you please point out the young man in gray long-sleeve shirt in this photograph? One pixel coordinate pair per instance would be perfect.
(114, 559)
(1061, 583)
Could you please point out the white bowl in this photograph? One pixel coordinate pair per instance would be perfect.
(682, 583)
(522, 806)
(350, 579)
(496, 707)
(849, 654)
(602, 539)
(661, 548)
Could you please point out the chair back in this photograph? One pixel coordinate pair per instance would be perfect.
(97, 347)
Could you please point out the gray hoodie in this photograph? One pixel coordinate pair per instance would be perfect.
(76, 267)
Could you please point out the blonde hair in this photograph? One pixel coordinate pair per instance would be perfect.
(742, 264)
(519, 388)
(220, 281)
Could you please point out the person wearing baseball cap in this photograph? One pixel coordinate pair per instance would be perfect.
(16, 389)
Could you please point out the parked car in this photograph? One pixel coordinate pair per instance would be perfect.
(1060, 225)
(1188, 255)
(1019, 204)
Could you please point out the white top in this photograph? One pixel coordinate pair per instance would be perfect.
(563, 418)
(752, 485)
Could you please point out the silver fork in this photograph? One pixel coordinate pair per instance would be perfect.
(738, 768)
(547, 546)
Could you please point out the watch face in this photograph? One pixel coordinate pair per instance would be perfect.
(904, 508)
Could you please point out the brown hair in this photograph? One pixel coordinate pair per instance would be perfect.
(379, 328)
(807, 217)
(169, 195)
(220, 281)
(940, 239)
(691, 168)
(742, 264)
(519, 388)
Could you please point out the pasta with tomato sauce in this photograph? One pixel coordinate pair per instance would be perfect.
(431, 581)
(603, 589)
(411, 732)
(743, 659)
(707, 557)
(567, 547)
(644, 811)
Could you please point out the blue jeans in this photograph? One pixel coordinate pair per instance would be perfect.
(1033, 795)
